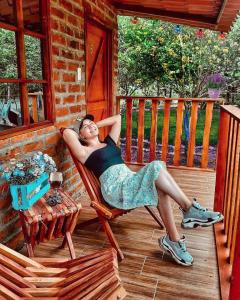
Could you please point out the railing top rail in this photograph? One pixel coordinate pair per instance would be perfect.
(170, 99)
(232, 110)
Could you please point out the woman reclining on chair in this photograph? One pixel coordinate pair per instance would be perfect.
(150, 186)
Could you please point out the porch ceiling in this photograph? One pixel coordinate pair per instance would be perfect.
(212, 14)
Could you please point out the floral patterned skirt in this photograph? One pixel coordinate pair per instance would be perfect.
(125, 189)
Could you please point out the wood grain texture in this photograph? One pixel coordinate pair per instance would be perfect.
(165, 131)
(140, 130)
(178, 136)
(128, 129)
(153, 132)
(145, 272)
(192, 134)
(206, 134)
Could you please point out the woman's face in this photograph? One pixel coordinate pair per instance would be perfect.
(89, 129)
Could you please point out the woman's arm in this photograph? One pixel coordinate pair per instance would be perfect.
(71, 138)
(115, 123)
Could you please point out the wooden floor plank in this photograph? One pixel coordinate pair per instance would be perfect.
(145, 272)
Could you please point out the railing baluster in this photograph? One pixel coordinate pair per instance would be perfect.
(232, 191)
(128, 129)
(206, 134)
(178, 136)
(153, 133)
(228, 177)
(140, 130)
(193, 125)
(165, 129)
(237, 199)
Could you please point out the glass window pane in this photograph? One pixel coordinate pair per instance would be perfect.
(33, 57)
(36, 100)
(8, 56)
(7, 14)
(10, 108)
(31, 15)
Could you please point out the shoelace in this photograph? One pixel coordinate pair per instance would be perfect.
(182, 246)
(198, 206)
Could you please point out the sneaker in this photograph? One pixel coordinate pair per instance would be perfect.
(199, 216)
(177, 250)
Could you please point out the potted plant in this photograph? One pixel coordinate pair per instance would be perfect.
(214, 84)
(28, 178)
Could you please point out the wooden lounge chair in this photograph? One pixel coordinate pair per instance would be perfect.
(103, 210)
(90, 277)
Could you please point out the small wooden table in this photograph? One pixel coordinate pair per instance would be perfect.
(42, 222)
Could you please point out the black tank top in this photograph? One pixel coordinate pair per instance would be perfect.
(103, 158)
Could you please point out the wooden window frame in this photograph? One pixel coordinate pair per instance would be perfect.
(44, 37)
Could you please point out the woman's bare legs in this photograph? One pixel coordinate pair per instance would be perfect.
(165, 210)
(167, 184)
(166, 187)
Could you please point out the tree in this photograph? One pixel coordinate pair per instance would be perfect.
(154, 57)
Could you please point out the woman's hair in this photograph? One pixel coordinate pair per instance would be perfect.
(87, 117)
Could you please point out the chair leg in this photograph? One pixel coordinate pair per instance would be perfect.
(111, 237)
(70, 245)
(26, 235)
(155, 216)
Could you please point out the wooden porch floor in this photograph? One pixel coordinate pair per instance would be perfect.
(145, 272)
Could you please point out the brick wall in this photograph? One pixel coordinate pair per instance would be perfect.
(67, 30)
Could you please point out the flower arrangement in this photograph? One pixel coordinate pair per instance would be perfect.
(215, 81)
(27, 169)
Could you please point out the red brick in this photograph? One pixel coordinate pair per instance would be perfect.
(78, 12)
(57, 12)
(10, 215)
(51, 151)
(34, 146)
(67, 54)
(60, 88)
(59, 64)
(53, 139)
(64, 123)
(56, 76)
(58, 100)
(22, 137)
(64, 28)
(73, 20)
(73, 44)
(75, 109)
(54, 24)
(69, 99)
(69, 77)
(58, 38)
(62, 111)
(74, 88)
(4, 143)
(55, 50)
(16, 242)
(67, 5)
(46, 130)
(66, 165)
(67, 174)
(73, 66)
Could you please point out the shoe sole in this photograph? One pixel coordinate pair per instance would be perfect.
(198, 223)
(168, 250)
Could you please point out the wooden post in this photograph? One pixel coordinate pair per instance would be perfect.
(221, 160)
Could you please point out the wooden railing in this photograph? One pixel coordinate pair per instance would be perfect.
(227, 200)
(180, 105)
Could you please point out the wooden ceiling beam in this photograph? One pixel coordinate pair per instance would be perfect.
(164, 13)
